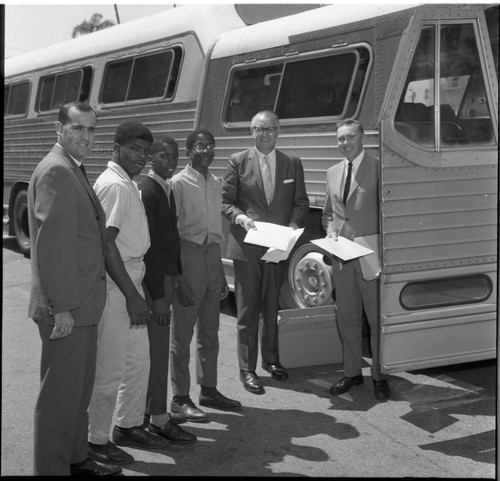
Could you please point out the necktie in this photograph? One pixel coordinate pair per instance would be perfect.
(84, 172)
(267, 179)
(347, 183)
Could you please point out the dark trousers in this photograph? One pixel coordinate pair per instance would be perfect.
(159, 353)
(257, 287)
(67, 374)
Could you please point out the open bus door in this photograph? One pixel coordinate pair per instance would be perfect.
(439, 160)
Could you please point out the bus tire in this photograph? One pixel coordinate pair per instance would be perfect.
(20, 222)
(309, 282)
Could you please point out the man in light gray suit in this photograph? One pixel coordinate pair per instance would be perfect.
(68, 292)
(352, 210)
(261, 184)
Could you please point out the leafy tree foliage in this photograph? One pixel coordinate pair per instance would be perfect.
(93, 25)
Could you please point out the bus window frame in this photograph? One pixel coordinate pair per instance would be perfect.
(444, 156)
(10, 85)
(284, 60)
(134, 56)
(444, 305)
(55, 74)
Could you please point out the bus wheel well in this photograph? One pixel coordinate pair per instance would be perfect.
(19, 218)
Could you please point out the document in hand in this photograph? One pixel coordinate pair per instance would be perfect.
(277, 255)
(269, 235)
(343, 248)
(370, 264)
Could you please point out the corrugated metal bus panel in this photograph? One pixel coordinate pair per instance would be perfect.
(472, 202)
(435, 189)
(474, 340)
(418, 222)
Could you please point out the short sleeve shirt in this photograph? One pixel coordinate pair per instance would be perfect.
(121, 200)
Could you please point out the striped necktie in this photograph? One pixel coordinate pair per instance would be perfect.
(267, 180)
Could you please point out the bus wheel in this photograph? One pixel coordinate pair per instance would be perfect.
(20, 220)
(309, 282)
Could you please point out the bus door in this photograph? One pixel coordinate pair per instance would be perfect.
(439, 159)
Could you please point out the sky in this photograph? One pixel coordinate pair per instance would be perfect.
(29, 26)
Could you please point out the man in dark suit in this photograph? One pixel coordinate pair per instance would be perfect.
(261, 184)
(68, 293)
(163, 272)
(352, 210)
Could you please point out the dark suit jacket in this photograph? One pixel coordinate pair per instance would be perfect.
(163, 256)
(360, 215)
(67, 229)
(243, 193)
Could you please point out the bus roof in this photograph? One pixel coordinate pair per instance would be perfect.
(208, 21)
(277, 32)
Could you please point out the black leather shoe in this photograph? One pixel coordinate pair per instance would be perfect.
(218, 401)
(251, 382)
(91, 468)
(186, 411)
(381, 390)
(277, 371)
(173, 433)
(137, 437)
(345, 384)
(109, 454)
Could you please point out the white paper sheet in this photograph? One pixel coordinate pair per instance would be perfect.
(343, 248)
(269, 235)
(370, 264)
(277, 255)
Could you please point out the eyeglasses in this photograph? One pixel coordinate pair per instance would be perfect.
(201, 147)
(261, 130)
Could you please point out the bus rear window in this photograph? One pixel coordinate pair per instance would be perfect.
(57, 89)
(445, 292)
(139, 78)
(308, 88)
(16, 98)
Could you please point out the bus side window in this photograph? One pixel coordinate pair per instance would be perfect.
(57, 89)
(464, 112)
(16, 98)
(139, 78)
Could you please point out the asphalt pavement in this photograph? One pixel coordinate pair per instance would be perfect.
(439, 423)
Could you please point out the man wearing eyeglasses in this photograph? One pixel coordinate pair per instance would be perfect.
(197, 196)
(260, 184)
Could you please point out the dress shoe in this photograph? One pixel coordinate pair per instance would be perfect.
(91, 468)
(251, 382)
(345, 384)
(138, 437)
(109, 454)
(172, 432)
(216, 400)
(381, 390)
(185, 410)
(277, 371)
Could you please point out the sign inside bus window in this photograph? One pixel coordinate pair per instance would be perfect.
(459, 110)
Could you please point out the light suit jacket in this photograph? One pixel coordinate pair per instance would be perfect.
(67, 229)
(243, 193)
(360, 215)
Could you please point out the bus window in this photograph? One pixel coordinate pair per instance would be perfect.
(445, 292)
(16, 98)
(58, 89)
(144, 77)
(463, 116)
(312, 87)
(253, 89)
